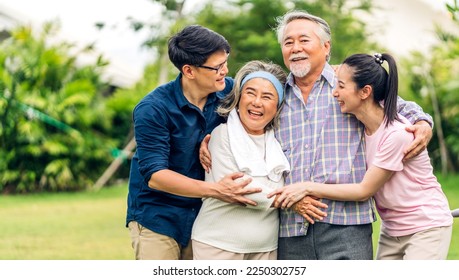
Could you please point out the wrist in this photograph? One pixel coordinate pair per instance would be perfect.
(309, 189)
(424, 123)
(208, 190)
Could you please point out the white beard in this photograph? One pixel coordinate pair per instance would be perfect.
(300, 70)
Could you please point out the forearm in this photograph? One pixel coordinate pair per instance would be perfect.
(225, 190)
(373, 180)
(342, 192)
(175, 183)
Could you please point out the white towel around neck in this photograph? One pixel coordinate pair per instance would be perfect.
(246, 154)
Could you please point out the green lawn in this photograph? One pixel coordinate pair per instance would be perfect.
(78, 226)
(90, 225)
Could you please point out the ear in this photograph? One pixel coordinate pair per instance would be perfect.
(365, 92)
(327, 46)
(188, 71)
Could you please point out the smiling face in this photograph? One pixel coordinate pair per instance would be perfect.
(257, 105)
(212, 74)
(302, 48)
(346, 92)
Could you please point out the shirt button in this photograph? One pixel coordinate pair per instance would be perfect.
(306, 146)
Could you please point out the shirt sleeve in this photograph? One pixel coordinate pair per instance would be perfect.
(152, 137)
(413, 112)
(390, 154)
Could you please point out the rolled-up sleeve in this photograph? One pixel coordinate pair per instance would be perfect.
(153, 138)
(413, 112)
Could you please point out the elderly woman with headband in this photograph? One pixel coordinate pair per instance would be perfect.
(245, 143)
(416, 223)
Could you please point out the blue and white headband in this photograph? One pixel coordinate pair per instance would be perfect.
(270, 77)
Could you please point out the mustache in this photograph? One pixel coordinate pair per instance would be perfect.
(295, 56)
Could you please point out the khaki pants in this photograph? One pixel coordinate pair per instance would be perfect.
(202, 251)
(429, 244)
(149, 245)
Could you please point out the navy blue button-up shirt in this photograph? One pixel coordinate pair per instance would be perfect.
(169, 130)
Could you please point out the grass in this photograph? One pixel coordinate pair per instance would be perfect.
(90, 225)
(78, 226)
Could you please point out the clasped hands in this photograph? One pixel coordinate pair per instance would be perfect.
(234, 191)
(292, 197)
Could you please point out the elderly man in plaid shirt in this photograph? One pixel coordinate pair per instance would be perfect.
(324, 145)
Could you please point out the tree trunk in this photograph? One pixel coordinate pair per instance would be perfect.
(438, 127)
(114, 165)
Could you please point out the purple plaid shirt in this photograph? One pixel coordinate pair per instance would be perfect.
(326, 146)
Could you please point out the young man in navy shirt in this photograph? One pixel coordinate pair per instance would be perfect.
(166, 178)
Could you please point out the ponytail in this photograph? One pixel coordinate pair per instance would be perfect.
(368, 70)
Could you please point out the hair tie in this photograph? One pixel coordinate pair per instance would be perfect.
(270, 77)
(379, 59)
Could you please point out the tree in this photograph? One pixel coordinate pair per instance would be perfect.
(248, 26)
(53, 115)
(432, 82)
(453, 9)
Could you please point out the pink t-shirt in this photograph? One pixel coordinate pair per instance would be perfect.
(412, 200)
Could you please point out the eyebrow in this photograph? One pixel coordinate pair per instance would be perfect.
(227, 55)
(300, 36)
(223, 62)
(263, 91)
(268, 93)
(218, 65)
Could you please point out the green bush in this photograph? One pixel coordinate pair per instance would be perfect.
(55, 127)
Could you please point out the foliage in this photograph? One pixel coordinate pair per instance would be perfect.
(124, 100)
(453, 9)
(435, 76)
(249, 27)
(53, 115)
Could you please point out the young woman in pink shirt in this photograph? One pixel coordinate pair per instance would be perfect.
(416, 218)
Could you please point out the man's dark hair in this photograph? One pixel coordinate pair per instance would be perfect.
(194, 44)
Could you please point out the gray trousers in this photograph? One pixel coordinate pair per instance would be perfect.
(329, 242)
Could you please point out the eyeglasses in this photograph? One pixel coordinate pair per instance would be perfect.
(217, 69)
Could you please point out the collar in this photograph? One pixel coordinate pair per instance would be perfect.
(327, 73)
(180, 97)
